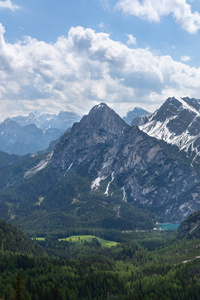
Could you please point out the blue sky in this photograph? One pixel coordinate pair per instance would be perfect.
(71, 55)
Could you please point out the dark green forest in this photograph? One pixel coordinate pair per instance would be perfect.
(144, 265)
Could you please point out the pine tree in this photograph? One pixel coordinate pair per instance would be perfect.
(19, 288)
(2, 247)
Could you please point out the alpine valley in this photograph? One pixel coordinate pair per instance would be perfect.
(104, 173)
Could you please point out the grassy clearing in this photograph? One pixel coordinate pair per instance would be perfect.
(38, 239)
(88, 238)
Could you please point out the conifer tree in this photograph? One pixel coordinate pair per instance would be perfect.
(19, 288)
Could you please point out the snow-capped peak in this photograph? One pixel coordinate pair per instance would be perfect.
(177, 122)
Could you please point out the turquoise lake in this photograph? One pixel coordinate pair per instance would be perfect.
(168, 226)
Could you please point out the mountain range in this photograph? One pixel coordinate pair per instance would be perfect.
(102, 173)
(23, 135)
(15, 139)
(29, 134)
(63, 120)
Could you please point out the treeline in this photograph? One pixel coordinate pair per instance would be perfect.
(107, 234)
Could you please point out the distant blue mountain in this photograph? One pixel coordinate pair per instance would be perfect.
(137, 112)
(63, 120)
(29, 134)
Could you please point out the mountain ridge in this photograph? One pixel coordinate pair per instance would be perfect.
(177, 122)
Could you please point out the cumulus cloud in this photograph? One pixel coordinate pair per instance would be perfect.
(131, 40)
(8, 4)
(85, 68)
(154, 10)
(185, 58)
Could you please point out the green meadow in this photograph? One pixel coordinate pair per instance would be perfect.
(89, 238)
(38, 239)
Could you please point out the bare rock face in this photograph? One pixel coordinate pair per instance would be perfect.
(177, 122)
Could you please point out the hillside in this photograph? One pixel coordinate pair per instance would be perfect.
(190, 227)
(15, 241)
(7, 160)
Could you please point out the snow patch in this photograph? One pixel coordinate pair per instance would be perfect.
(124, 194)
(100, 105)
(69, 167)
(96, 183)
(108, 186)
(40, 200)
(187, 106)
(42, 164)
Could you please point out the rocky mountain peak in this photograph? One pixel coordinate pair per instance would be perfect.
(87, 138)
(170, 108)
(101, 117)
(100, 106)
(100, 111)
(175, 107)
(177, 122)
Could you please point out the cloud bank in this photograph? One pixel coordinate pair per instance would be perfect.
(154, 10)
(8, 5)
(85, 68)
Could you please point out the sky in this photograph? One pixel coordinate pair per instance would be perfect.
(73, 54)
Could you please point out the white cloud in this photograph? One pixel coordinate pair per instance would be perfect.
(185, 58)
(105, 4)
(85, 68)
(154, 10)
(101, 25)
(8, 5)
(131, 40)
